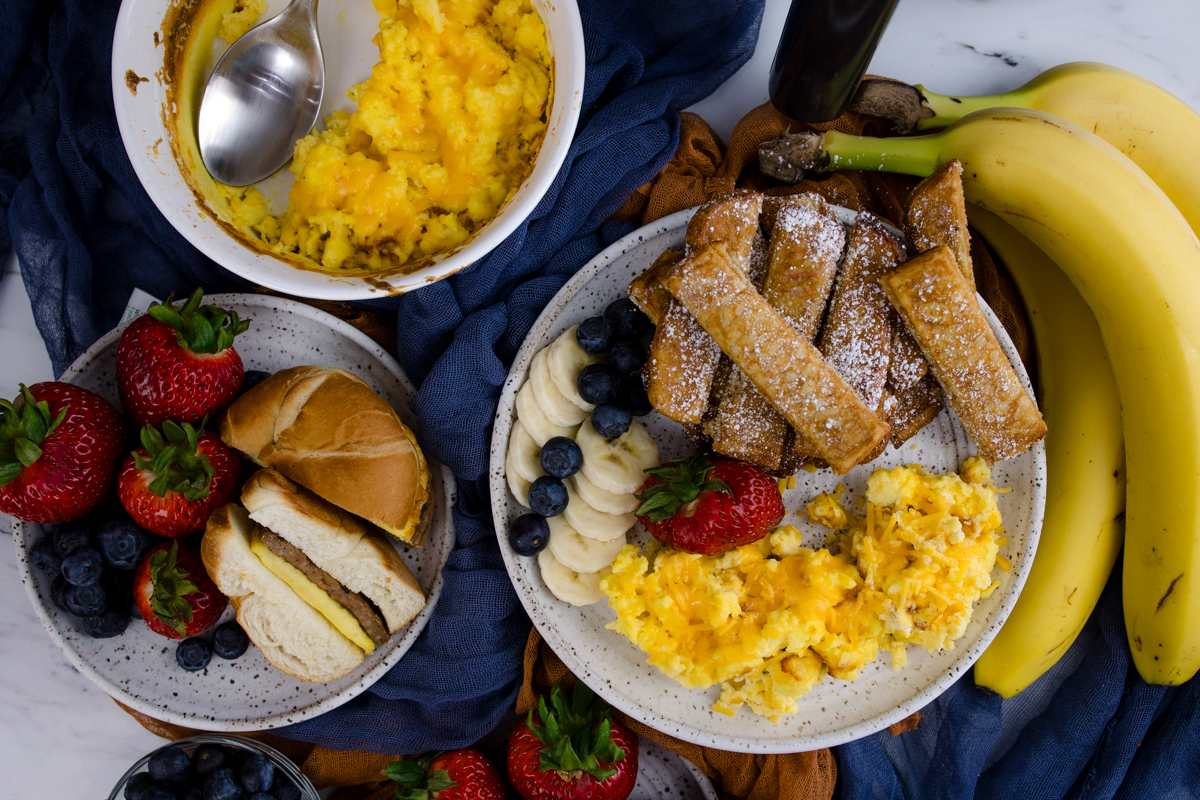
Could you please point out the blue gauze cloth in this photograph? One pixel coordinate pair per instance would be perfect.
(86, 234)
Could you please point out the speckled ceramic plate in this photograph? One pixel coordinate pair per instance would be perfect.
(138, 667)
(664, 775)
(835, 711)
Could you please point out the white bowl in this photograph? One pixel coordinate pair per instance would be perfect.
(346, 27)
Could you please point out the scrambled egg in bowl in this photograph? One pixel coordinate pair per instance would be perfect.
(445, 131)
(768, 620)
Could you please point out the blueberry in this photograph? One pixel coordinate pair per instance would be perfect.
(122, 543)
(83, 567)
(632, 395)
(561, 457)
(284, 789)
(528, 534)
(169, 764)
(594, 335)
(548, 496)
(611, 420)
(229, 640)
(58, 591)
(158, 792)
(626, 318)
(45, 557)
(193, 654)
(627, 356)
(209, 758)
(72, 536)
(597, 384)
(137, 784)
(252, 378)
(86, 601)
(257, 773)
(220, 785)
(112, 622)
(190, 792)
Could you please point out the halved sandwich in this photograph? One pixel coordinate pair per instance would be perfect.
(315, 588)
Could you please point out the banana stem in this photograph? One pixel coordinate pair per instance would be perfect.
(910, 155)
(948, 109)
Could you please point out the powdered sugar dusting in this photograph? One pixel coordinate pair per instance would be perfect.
(806, 246)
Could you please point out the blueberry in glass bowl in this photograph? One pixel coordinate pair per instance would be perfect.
(213, 757)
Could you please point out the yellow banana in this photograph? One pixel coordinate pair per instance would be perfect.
(1085, 460)
(1136, 262)
(1156, 129)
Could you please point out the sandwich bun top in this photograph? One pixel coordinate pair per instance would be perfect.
(327, 431)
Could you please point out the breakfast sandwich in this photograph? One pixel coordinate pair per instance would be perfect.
(315, 588)
(327, 431)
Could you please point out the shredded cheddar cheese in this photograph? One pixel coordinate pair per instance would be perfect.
(768, 620)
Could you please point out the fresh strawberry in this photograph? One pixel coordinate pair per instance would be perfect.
(173, 592)
(170, 486)
(708, 504)
(577, 753)
(59, 450)
(457, 775)
(179, 363)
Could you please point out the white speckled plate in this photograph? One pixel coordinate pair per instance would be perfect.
(664, 775)
(138, 667)
(835, 711)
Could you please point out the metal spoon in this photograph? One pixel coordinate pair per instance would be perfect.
(263, 95)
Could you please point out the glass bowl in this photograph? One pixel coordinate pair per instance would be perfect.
(281, 762)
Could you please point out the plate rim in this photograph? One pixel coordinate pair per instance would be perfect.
(368, 678)
(655, 719)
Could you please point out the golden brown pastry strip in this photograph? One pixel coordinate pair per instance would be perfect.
(746, 426)
(937, 215)
(647, 292)
(912, 409)
(857, 337)
(806, 245)
(777, 358)
(940, 311)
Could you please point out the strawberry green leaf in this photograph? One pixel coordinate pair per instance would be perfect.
(439, 781)
(62, 414)
(193, 302)
(200, 334)
(409, 773)
(9, 471)
(27, 452)
(170, 587)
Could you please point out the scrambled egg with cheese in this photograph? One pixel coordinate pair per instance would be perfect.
(768, 620)
(446, 129)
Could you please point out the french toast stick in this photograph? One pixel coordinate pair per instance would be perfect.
(785, 367)
(907, 366)
(937, 215)
(645, 290)
(683, 359)
(911, 410)
(744, 424)
(806, 246)
(857, 337)
(940, 311)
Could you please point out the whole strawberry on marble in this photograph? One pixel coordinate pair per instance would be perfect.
(456, 775)
(177, 478)
(577, 752)
(173, 592)
(59, 450)
(179, 363)
(709, 504)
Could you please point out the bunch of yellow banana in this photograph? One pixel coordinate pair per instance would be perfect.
(1136, 262)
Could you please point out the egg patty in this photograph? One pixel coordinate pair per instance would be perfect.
(446, 129)
(768, 620)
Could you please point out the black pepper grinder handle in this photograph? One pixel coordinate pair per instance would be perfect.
(823, 53)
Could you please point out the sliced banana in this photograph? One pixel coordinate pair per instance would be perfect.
(516, 483)
(558, 409)
(536, 425)
(592, 523)
(616, 466)
(565, 359)
(524, 455)
(581, 553)
(576, 588)
(602, 500)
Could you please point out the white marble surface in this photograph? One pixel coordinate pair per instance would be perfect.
(62, 738)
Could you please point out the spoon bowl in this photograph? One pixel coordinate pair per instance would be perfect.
(263, 95)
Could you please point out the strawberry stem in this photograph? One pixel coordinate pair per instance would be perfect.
(200, 328)
(680, 484)
(415, 779)
(173, 457)
(24, 425)
(169, 586)
(575, 735)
